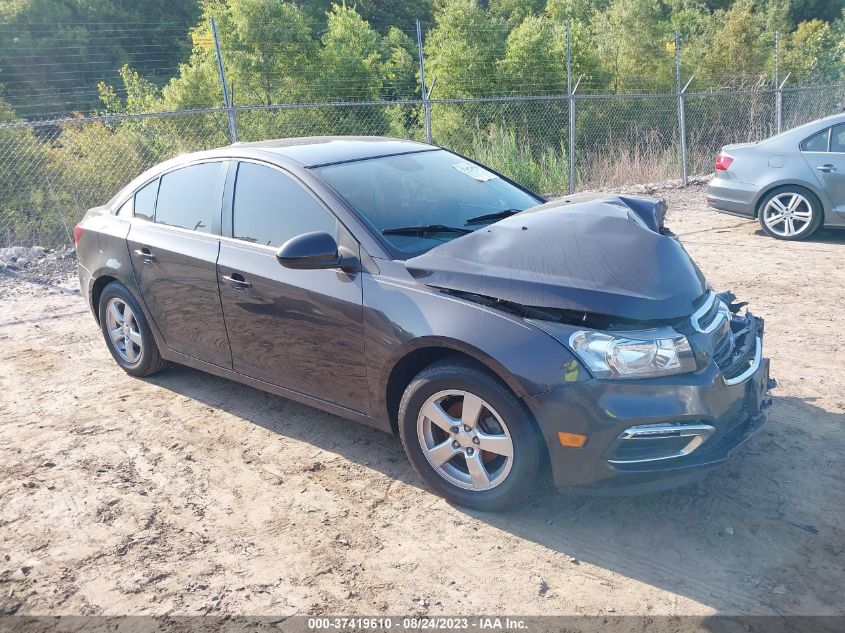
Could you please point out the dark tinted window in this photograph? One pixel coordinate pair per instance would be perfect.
(145, 200)
(817, 142)
(270, 207)
(190, 197)
(837, 139)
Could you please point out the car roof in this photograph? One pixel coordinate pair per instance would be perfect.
(801, 132)
(313, 151)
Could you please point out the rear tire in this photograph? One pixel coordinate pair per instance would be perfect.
(127, 333)
(469, 437)
(790, 213)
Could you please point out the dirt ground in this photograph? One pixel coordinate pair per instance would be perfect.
(188, 494)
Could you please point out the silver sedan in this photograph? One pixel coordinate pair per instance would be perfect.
(793, 182)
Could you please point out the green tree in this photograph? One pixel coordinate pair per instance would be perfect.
(628, 37)
(824, 10)
(402, 14)
(578, 14)
(462, 50)
(461, 55)
(55, 52)
(535, 58)
(575, 11)
(813, 53)
(513, 12)
(736, 56)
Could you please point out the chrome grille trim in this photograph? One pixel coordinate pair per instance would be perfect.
(699, 314)
(696, 432)
(755, 364)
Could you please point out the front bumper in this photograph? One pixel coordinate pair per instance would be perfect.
(731, 196)
(605, 411)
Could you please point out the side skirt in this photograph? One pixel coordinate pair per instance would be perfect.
(328, 407)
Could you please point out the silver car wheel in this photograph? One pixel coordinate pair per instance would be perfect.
(466, 442)
(123, 330)
(788, 214)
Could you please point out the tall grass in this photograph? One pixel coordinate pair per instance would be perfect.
(545, 170)
(617, 164)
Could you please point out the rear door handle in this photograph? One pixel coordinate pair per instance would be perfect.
(146, 255)
(239, 284)
(826, 168)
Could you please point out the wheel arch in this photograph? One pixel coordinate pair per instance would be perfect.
(411, 361)
(103, 278)
(97, 288)
(815, 191)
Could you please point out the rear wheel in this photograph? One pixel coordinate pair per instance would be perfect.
(127, 332)
(790, 213)
(469, 437)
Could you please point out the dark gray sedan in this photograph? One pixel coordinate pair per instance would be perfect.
(793, 183)
(409, 288)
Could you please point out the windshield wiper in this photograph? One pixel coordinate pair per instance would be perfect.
(498, 215)
(426, 228)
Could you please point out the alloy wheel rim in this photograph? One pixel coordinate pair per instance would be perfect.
(465, 440)
(123, 330)
(788, 214)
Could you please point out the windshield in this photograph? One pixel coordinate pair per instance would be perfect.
(414, 202)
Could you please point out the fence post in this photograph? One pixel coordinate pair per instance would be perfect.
(227, 103)
(682, 119)
(426, 103)
(571, 100)
(778, 87)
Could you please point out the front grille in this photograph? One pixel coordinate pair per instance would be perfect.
(733, 338)
(745, 351)
(705, 319)
(723, 343)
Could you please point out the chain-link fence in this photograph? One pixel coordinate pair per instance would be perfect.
(52, 171)
(557, 141)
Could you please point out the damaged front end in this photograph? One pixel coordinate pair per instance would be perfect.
(609, 256)
(673, 418)
(606, 278)
(679, 380)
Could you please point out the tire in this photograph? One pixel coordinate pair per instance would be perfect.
(141, 357)
(501, 419)
(800, 222)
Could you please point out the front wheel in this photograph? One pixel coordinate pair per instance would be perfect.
(790, 213)
(469, 437)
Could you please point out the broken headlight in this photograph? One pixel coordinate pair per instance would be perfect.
(643, 354)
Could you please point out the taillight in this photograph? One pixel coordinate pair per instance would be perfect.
(77, 234)
(723, 161)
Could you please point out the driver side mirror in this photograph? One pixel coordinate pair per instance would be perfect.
(314, 251)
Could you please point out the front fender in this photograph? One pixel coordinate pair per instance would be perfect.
(401, 317)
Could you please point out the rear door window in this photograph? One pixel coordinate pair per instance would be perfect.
(190, 198)
(271, 207)
(837, 139)
(145, 201)
(817, 142)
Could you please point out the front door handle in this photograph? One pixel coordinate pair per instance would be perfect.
(239, 284)
(146, 255)
(826, 168)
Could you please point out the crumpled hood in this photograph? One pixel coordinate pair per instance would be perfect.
(603, 256)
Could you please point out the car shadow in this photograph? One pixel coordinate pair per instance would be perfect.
(758, 535)
(822, 236)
